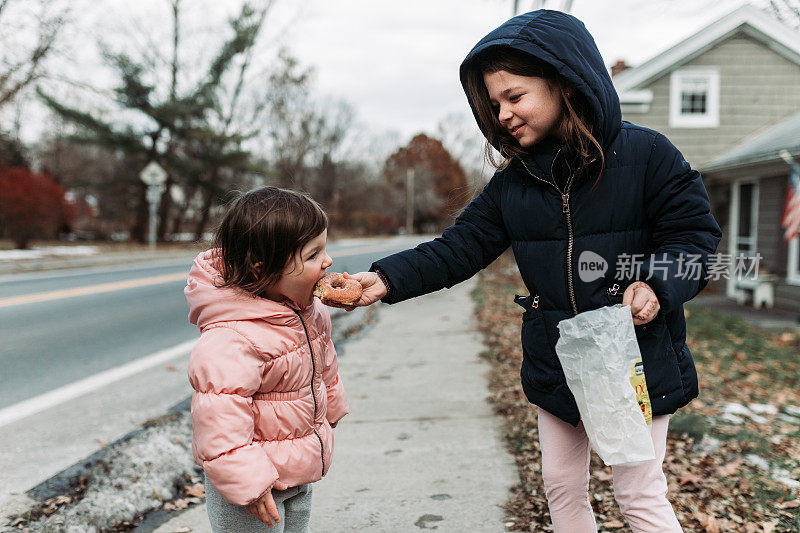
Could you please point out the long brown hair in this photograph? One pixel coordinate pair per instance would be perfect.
(260, 234)
(576, 125)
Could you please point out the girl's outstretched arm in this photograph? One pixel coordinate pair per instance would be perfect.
(477, 238)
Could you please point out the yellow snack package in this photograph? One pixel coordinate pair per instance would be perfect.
(640, 386)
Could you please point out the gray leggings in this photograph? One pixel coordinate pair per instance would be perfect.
(294, 507)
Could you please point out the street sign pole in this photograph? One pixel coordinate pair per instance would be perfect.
(154, 177)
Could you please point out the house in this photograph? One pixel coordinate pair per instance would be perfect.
(728, 97)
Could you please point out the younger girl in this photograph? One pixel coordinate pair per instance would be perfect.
(264, 371)
(576, 184)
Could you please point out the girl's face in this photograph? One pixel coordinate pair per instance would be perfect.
(525, 105)
(302, 273)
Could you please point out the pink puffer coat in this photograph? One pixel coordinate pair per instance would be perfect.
(266, 386)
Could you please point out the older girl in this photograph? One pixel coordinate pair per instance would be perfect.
(575, 182)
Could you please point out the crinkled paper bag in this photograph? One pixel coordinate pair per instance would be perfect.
(596, 349)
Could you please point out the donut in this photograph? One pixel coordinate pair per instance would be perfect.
(335, 290)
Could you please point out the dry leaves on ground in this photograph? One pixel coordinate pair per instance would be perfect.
(716, 480)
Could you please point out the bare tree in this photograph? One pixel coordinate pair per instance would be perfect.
(190, 130)
(21, 63)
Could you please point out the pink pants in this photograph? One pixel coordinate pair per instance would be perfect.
(640, 491)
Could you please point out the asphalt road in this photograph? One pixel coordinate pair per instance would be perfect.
(59, 331)
(47, 344)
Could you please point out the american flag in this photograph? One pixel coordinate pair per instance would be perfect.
(791, 209)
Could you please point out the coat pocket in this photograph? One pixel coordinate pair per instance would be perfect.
(529, 303)
(540, 366)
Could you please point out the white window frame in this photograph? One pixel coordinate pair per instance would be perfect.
(711, 118)
(732, 291)
(793, 268)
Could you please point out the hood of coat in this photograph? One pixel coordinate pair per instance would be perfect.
(562, 41)
(209, 304)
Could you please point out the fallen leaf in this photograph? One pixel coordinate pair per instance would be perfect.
(788, 505)
(768, 527)
(176, 505)
(713, 525)
(170, 368)
(690, 478)
(730, 469)
(198, 490)
(613, 524)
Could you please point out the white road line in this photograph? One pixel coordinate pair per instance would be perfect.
(63, 394)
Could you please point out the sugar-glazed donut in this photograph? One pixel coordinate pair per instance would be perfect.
(337, 291)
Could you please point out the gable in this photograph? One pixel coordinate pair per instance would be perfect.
(746, 20)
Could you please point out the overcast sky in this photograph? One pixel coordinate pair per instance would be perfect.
(395, 62)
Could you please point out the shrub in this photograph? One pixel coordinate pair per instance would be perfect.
(32, 205)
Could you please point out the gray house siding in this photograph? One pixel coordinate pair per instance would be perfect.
(771, 246)
(758, 88)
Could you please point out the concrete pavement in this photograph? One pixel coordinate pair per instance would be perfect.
(420, 448)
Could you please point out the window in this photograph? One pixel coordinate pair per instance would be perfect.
(694, 98)
(793, 270)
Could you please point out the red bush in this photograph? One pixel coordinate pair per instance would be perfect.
(32, 205)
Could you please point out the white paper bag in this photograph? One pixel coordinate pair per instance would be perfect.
(596, 349)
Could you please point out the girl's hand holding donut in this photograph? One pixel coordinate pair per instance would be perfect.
(643, 301)
(373, 288)
(264, 508)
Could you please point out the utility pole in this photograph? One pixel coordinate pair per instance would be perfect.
(410, 201)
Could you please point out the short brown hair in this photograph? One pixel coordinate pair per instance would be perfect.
(576, 125)
(260, 234)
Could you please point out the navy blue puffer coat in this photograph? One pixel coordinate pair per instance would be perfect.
(649, 201)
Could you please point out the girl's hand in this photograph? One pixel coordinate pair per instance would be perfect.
(643, 302)
(264, 508)
(373, 288)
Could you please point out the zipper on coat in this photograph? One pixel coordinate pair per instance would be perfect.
(568, 214)
(314, 396)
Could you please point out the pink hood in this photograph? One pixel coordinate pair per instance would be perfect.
(266, 386)
(209, 304)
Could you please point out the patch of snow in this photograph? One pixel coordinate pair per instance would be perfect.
(788, 418)
(789, 482)
(757, 461)
(784, 476)
(136, 476)
(708, 444)
(38, 252)
(763, 408)
(733, 419)
(734, 410)
(792, 410)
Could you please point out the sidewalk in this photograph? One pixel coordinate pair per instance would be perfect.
(420, 448)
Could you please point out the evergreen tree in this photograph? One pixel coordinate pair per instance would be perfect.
(191, 134)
